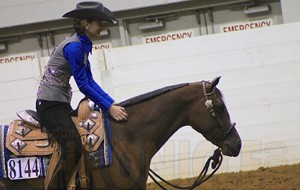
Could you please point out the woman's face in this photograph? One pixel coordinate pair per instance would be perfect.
(93, 29)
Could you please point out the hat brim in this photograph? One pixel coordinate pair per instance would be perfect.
(106, 15)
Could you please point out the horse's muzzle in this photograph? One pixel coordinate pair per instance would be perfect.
(232, 143)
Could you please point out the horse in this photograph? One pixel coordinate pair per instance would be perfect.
(153, 118)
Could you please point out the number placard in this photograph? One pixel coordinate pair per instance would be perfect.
(23, 168)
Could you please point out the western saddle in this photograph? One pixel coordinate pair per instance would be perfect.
(25, 137)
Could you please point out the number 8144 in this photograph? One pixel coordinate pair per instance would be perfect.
(23, 168)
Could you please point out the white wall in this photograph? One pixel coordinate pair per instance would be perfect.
(18, 84)
(260, 81)
(290, 10)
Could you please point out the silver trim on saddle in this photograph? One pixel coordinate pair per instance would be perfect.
(26, 117)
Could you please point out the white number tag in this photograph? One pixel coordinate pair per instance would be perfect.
(23, 168)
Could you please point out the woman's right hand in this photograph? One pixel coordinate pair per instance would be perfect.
(118, 113)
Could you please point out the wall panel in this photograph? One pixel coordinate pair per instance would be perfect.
(260, 82)
(19, 76)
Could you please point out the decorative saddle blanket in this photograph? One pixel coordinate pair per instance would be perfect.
(24, 138)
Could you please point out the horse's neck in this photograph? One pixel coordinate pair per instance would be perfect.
(166, 114)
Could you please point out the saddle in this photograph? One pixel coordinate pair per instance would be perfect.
(25, 137)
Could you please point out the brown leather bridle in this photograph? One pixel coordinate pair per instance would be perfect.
(210, 106)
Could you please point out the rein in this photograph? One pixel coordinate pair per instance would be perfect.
(216, 158)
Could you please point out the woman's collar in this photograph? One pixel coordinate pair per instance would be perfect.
(86, 43)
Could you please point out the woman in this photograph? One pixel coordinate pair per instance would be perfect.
(70, 58)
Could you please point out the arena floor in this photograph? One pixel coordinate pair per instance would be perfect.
(276, 178)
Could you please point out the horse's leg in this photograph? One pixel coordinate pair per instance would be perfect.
(126, 172)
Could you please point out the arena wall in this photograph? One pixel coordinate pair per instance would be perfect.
(260, 82)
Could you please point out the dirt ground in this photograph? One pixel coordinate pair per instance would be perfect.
(276, 178)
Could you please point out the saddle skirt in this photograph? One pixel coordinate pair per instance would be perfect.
(90, 126)
(27, 140)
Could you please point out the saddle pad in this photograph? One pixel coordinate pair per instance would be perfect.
(103, 156)
(90, 127)
(5, 155)
(3, 151)
(23, 139)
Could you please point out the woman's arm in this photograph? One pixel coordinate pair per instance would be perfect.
(95, 86)
(74, 53)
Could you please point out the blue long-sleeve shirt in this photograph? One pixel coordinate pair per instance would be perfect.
(76, 54)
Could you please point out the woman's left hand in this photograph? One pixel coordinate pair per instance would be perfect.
(118, 113)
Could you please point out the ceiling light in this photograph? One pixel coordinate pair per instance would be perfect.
(158, 24)
(258, 9)
(3, 47)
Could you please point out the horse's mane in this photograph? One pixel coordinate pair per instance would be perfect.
(149, 95)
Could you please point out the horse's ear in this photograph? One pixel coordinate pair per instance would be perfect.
(214, 83)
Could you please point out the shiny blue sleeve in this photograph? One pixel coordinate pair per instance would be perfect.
(95, 86)
(82, 74)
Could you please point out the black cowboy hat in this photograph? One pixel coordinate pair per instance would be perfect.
(91, 10)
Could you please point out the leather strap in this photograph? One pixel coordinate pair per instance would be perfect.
(72, 181)
(54, 166)
(83, 178)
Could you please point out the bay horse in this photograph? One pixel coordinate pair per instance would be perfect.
(153, 118)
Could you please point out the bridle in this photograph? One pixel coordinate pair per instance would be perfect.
(215, 160)
(210, 106)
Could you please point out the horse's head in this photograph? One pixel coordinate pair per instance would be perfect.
(210, 117)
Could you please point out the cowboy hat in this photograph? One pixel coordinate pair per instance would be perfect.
(91, 10)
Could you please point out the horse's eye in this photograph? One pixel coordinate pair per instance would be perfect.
(219, 107)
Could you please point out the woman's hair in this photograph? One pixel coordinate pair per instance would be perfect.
(78, 26)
